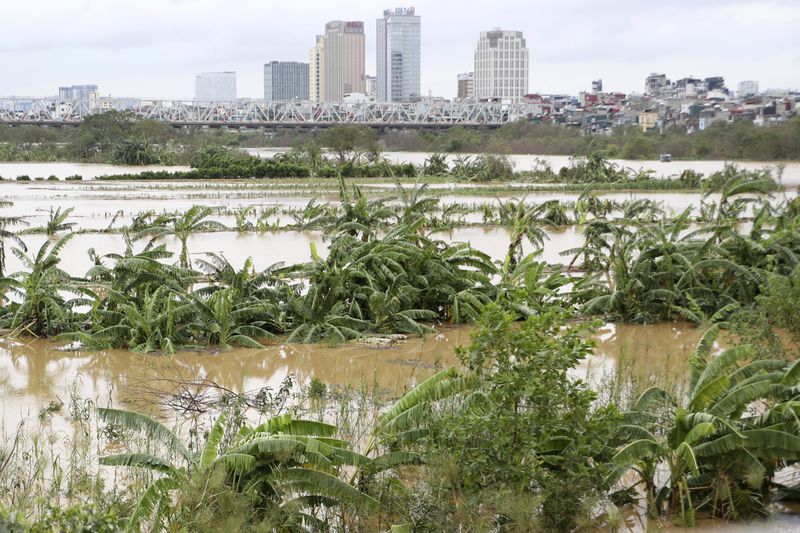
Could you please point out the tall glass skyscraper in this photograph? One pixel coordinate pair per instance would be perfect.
(285, 81)
(399, 53)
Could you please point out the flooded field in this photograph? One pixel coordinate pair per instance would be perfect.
(38, 376)
(282, 246)
(522, 162)
(35, 373)
(99, 206)
(63, 170)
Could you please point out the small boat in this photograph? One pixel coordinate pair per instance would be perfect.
(665, 158)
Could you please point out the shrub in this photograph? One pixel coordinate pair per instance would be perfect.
(534, 432)
(23, 178)
(780, 301)
(494, 168)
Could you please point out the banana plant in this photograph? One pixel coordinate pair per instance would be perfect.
(723, 442)
(56, 222)
(182, 226)
(290, 467)
(8, 235)
(223, 323)
(43, 289)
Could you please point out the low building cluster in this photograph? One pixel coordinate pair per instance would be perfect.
(692, 103)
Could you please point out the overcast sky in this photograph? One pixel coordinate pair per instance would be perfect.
(154, 48)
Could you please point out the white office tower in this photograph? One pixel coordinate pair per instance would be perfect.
(746, 88)
(399, 52)
(501, 66)
(215, 87)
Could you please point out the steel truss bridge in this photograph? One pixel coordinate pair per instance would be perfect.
(14, 110)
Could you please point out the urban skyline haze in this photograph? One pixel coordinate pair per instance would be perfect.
(122, 48)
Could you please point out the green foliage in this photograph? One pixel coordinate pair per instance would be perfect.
(494, 168)
(42, 289)
(279, 474)
(134, 152)
(83, 517)
(349, 142)
(7, 234)
(100, 132)
(56, 221)
(640, 147)
(780, 301)
(721, 454)
(527, 427)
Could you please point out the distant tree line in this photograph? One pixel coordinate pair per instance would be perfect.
(123, 138)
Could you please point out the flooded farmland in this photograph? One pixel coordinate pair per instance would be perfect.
(38, 370)
(36, 375)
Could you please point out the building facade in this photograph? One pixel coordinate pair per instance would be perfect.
(746, 88)
(215, 87)
(466, 86)
(655, 84)
(78, 92)
(399, 55)
(286, 81)
(501, 66)
(343, 60)
(316, 70)
(371, 83)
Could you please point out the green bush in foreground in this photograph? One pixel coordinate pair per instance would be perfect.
(529, 439)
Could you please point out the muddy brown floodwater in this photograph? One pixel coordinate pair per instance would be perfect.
(36, 372)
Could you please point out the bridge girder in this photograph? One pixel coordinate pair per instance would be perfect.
(243, 113)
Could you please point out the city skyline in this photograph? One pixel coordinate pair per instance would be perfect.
(137, 56)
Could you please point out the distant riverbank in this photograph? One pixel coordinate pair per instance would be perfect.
(121, 138)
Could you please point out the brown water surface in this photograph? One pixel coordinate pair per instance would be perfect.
(34, 373)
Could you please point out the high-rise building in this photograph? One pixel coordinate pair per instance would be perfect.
(316, 71)
(78, 92)
(746, 88)
(285, 81)
(371, 83)
(466, 86)
(501, 66)
(343, 60)
(215, 87)
(399, 52)
(597, 86)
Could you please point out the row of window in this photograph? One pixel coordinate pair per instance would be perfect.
(501, 94)
(494, 65)
(494, 54)
(501, 74)
(500, 83)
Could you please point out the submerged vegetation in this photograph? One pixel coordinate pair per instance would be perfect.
(511, 440)
(385, 271)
